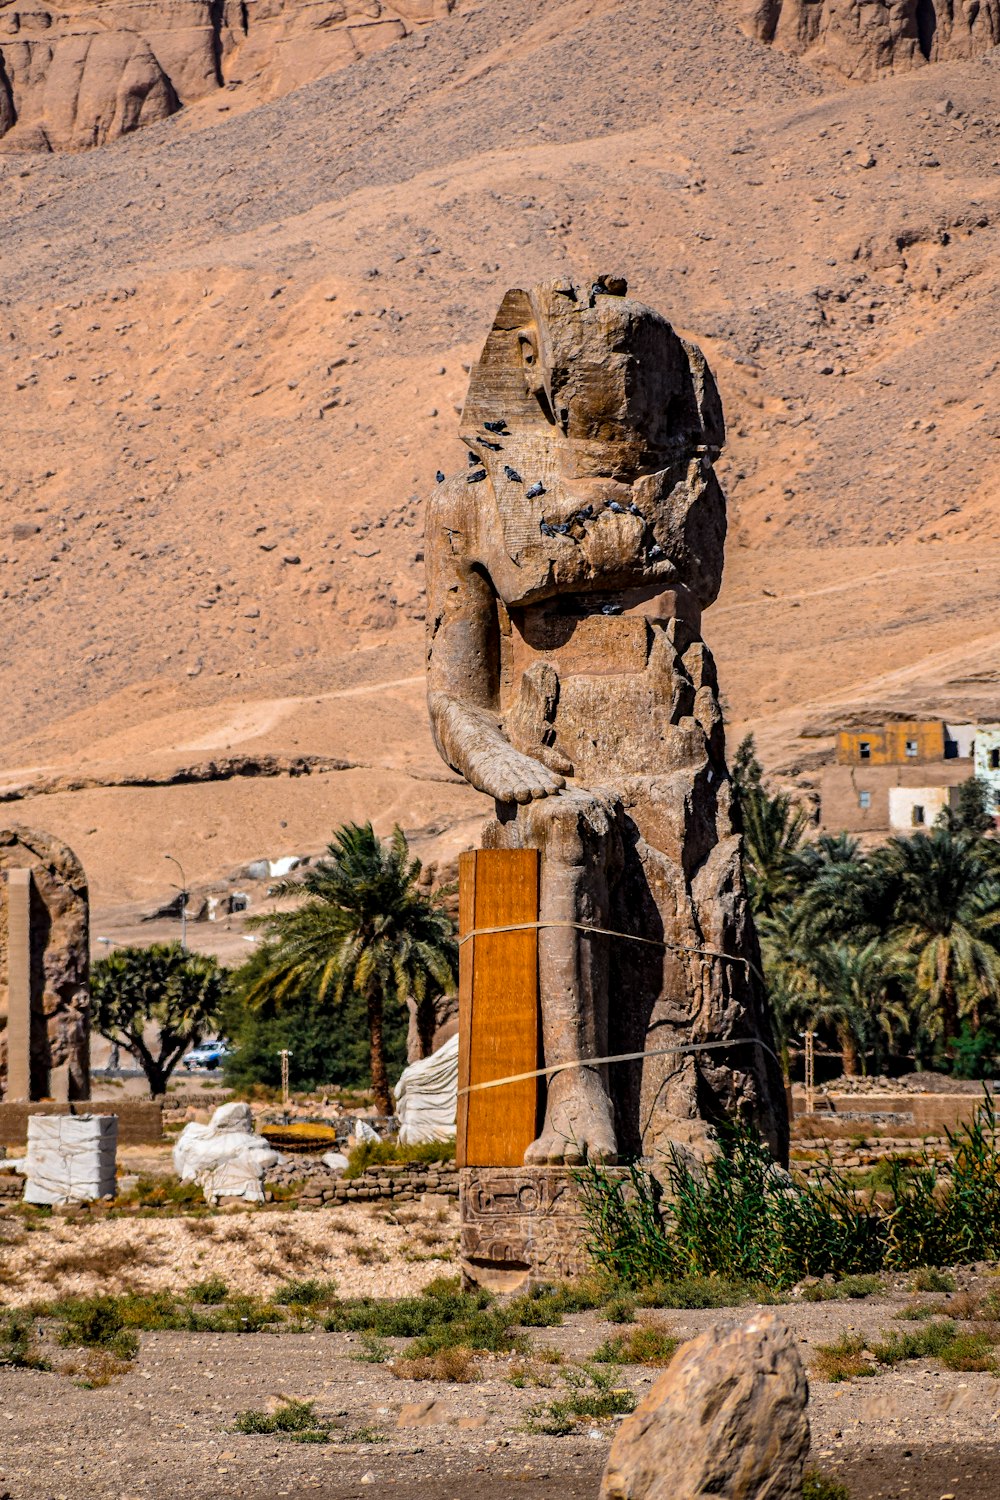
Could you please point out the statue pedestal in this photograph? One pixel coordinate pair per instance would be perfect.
(521, 1225)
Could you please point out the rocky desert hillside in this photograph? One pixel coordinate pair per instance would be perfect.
(235, 341)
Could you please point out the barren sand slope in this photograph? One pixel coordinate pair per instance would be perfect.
(233, 359)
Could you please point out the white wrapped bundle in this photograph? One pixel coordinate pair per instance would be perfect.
(427, 1097)
(226, 1157)
(71, 1158)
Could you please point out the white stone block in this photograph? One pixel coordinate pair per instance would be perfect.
(71, 1158)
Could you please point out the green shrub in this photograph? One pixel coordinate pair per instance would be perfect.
(209, 1292)
(816, 1486)
(644, 1344)
(739, 1217)
(310, 1293)
(97, 1323)
(692, 1292)
(382, 1153)
(295, 1420)
(930, 1279)
(593, 1395)
(840, 1291)
(18, 1348)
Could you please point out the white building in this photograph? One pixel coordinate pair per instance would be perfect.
(959, 741)
(987, 761)
(914, 807)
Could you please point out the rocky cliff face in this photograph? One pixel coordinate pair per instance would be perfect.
(864, 38)
(77, 75)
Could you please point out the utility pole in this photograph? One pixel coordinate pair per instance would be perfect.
(183, 888)
(284, 1054)
(810, 1039)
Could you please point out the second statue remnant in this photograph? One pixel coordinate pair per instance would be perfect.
(567, 569)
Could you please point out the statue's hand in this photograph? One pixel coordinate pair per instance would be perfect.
(504, 773)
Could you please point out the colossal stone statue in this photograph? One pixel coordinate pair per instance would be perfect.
(567, 570)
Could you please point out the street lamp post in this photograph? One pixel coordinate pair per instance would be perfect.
(183, 888)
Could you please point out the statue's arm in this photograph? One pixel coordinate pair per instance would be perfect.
(463, 669)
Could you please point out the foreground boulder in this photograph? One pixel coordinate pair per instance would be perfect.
(727, 1418)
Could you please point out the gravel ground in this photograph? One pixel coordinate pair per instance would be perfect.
(368, 1250)
(164, 1428)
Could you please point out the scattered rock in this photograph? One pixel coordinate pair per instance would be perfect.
(728, 1417)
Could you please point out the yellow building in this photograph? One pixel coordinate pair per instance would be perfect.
(906, 743)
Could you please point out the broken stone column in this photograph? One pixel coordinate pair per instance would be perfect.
(44, 969)
(727, 1418)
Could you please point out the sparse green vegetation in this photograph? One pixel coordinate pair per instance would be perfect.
(738, 1216)
(645, 1344)
(379, 1153)
(295, 1421)
(18, 1346)
(853, 1356)
(817, 1486)
(847, 1288)
(592, 1395)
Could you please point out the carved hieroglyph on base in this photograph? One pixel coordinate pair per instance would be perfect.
(521, 1224)
(44, 969)
(568, 564)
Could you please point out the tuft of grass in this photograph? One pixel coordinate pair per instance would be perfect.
(620, 1309)
(209, 1293)
(373, 1350)
(690, 1292)
(385, 1153)
(646, 1344)
(97, 1368)
(929, 1342)
(817, 1486)
(18, 1346)
(369, 1434)
(294, 1420)
(931, 1279)
(593, 1395)
(838, 1291)
(843, 1360)
(309, 1293)
(456, 1364)
(98, 1323)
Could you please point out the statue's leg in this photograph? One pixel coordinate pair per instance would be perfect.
(578, 834)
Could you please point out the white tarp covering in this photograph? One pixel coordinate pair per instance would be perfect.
(71, 1158)
(427, 1097)
(225, 1157)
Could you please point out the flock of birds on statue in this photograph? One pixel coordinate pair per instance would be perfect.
(547, 528)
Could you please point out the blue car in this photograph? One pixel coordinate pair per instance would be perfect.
(208, 1054)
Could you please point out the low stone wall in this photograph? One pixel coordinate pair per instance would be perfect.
(396, 1183)
(140, 1121)
(906, 1113)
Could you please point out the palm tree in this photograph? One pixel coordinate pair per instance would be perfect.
(852, 992)
(945, 924)
(365, 927)
(773, 829)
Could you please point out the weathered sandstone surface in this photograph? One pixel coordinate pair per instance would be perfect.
(864, 38)
(728, 1417)
(75, 76)
(60, 940)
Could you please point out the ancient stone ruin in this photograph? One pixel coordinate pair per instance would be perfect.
(568, 565)
(44, 969)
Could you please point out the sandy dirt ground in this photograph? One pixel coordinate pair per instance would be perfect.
(165, 1427)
